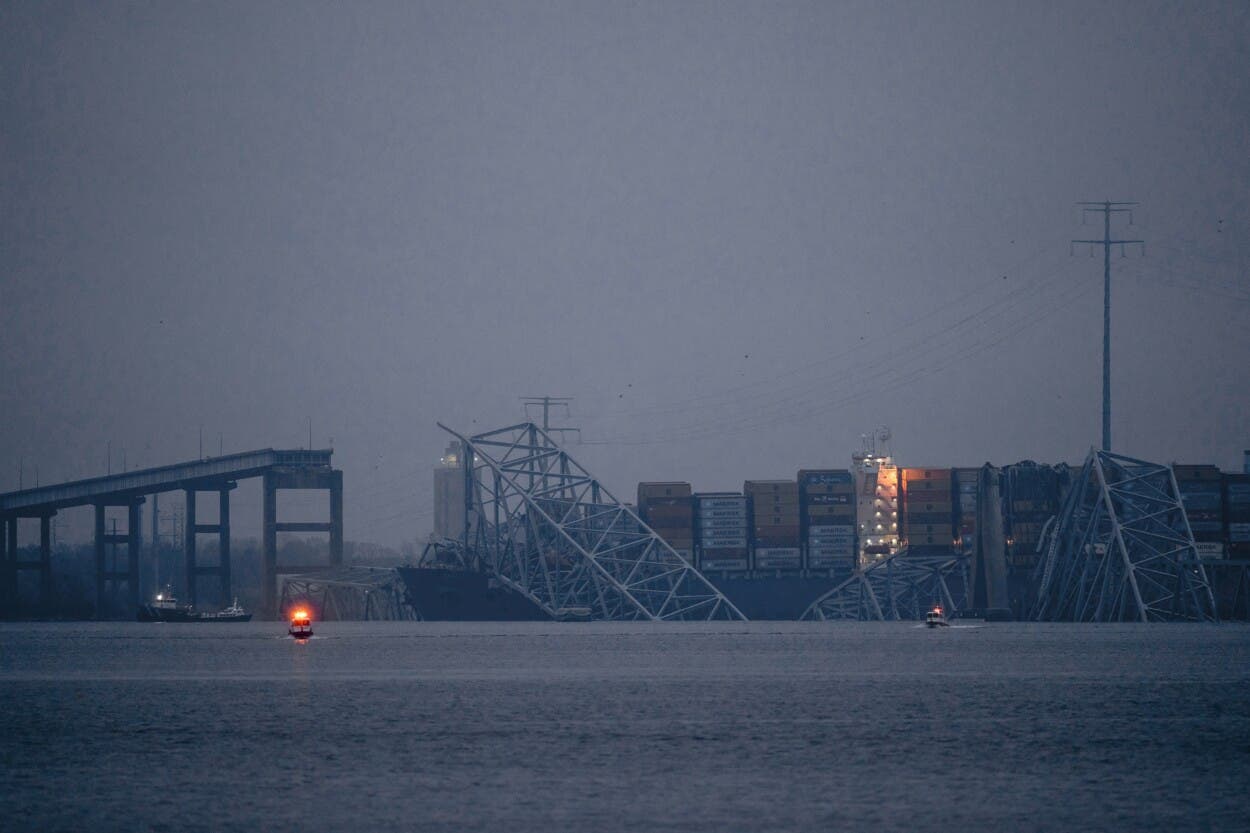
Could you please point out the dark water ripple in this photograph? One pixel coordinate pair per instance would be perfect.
(533, 727)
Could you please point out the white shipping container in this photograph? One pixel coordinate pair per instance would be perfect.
(723, 543)
(778, 558)
(1210, 550)
(735, 564)
(735, 534)
(724, 520)
(831, 529)
(831, 538)
(722, 511)
(825, 553)
(825, 544)
(824, 561)
(722, 503)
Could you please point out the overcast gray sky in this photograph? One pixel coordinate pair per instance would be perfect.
(740, 234)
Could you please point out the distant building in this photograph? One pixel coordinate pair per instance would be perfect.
(449, 493)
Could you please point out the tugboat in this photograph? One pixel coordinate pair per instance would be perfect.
(301, 624)
(935, 618)
(234, 613)
(164, 608)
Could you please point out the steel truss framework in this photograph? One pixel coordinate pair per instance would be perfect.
(1122, 550)
(350, 594)
(904, 585)
(1231, 580)
(542, 525)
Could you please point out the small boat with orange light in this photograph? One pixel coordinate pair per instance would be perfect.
(935, 618)
(301, 624)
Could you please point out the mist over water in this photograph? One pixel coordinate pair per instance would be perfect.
(738, 235)
(540, 727)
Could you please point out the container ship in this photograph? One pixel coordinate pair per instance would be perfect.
(778, 545)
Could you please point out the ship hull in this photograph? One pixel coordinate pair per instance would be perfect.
(440, 595)
(466, 596)
(148, 613)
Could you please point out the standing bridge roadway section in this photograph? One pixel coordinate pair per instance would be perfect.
(279, 468)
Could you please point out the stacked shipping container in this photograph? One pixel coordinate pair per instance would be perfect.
(775, 523)
(1201, 489)
(1237, 505)
(722, 525)
(927, 508)
(827, 519)
(667, 508)
(1030, 498)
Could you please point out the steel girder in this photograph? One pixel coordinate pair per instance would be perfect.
(349, 594)
(542, 525)
(1122, 550)
(1231, 586)
(904, 585)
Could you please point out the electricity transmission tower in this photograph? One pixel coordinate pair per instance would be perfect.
(546, 402)
(1107, 208)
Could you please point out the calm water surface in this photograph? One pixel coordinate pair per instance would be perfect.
(550, 727)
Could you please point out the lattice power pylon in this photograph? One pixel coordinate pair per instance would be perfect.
(905, 585)
(1121, 550)
(541, 524)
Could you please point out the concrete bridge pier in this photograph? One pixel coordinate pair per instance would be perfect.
(11, 564)
(107, 573)
(8, 565)
(302, 468)
(222, 529)
(331, 480)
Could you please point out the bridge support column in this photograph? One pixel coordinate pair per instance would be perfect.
(8, 566)
(100, 572)
(330, 480)
(269, 546)
(222, 528)
(188, 546)
(108, 576)
(223, 541)
(45, 563)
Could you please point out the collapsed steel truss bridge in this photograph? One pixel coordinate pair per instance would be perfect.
(1122, 549)
(350, 593)
(542, 525)
(901, 586)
